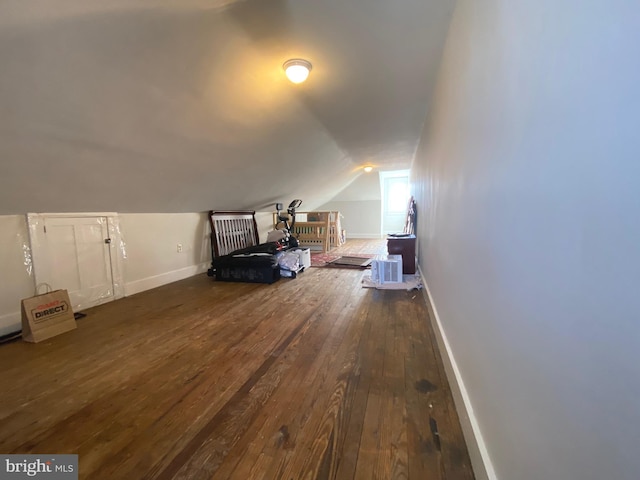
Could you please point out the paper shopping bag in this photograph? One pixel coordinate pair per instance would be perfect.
(47, 315)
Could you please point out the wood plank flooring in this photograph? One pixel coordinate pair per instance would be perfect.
(308, 378)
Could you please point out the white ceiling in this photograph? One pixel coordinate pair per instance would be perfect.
(182, 105)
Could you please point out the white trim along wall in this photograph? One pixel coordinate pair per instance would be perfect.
(480, 460)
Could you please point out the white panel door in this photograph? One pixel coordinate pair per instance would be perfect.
(74, 254)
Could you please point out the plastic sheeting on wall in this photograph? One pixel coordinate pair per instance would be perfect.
(82, 253)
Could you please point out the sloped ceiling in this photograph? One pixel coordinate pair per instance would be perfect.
(182, 105)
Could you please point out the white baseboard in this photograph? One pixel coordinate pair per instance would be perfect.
(363, 235)
(10, 322)
(137, 286)
(480, 460)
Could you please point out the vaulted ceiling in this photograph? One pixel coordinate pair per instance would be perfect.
(182, 105)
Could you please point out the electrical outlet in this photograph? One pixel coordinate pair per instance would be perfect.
(179, 248)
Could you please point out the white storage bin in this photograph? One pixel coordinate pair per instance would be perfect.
(305, 256)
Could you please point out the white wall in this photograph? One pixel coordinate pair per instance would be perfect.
(527, 180)
(264, 221)
(151, 247)
(360, 205)
(151, 259)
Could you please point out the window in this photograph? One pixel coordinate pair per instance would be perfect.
(397, 194)
(395, 199)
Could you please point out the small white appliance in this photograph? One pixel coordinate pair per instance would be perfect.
(305, 256)
(387, 269)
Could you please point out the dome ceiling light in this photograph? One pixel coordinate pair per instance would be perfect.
(297, 69)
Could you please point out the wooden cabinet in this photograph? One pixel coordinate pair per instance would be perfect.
(405, 246)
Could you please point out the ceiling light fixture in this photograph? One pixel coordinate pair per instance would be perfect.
(368, 168)
(297, 69)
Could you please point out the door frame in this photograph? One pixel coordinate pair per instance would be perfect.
(116, 246)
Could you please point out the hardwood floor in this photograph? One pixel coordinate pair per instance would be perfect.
(314, 377)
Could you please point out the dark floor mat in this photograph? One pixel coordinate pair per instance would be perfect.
(350, 262)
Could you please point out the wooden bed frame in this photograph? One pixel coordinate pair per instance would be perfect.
(232, 230)
(323, 233)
